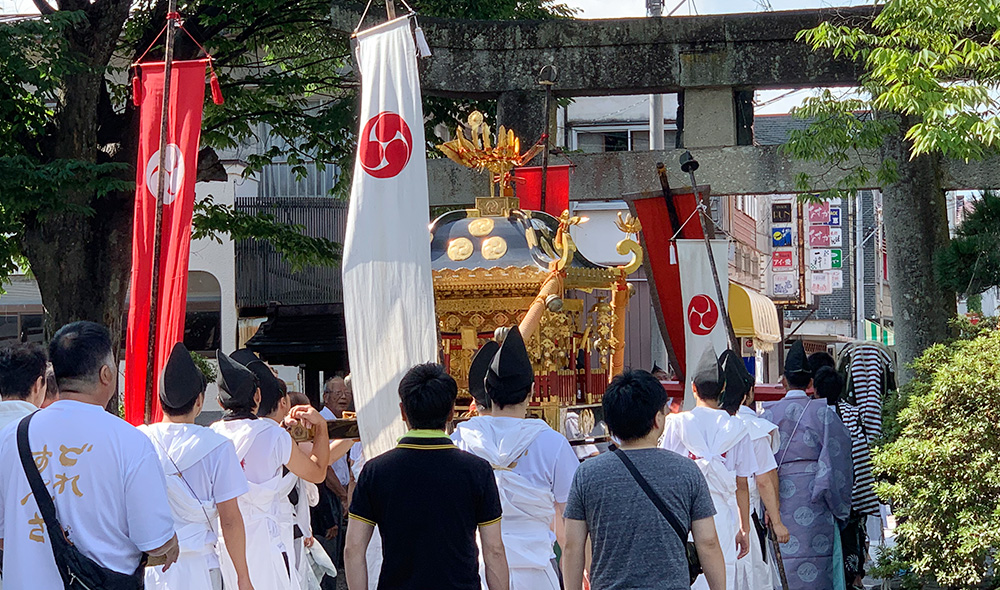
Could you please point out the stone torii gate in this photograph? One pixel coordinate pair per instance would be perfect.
(711, 62)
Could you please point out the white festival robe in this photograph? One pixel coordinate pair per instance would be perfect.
(264, 517)
(752, 573)
(195, 522)
(706, 436)
(528, 510)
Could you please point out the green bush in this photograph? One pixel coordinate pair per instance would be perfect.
(940, 466)
(204, 366)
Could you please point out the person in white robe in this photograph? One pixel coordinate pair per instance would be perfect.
(533, 464)
(304, 496)
(265, 451)
(752, 571)
(204, 480)
(720, 445)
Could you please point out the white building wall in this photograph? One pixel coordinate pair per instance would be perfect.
(219, 259)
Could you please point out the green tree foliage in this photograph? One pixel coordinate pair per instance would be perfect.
(971, 263)
(68, 128)
(941, 471)
(933, 60)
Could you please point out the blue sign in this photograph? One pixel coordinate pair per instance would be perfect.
(781, 237)
(834, 217)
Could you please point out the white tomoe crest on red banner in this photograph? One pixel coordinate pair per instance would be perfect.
(388, 293)
(704, 323)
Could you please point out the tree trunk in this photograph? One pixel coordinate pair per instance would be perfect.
(916, 225)
(82, 262)
(82, 265)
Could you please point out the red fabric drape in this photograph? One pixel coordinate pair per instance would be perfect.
(658, 231)
(528, 188)
(187, 93)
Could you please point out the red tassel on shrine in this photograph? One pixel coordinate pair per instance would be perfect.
(136, 88)
(216, 89)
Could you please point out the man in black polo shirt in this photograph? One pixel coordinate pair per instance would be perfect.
(428, 499)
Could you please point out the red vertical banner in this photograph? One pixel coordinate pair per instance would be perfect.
(660, 229)
(187, 94)
(529, 188)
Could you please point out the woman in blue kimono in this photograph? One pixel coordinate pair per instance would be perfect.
(815, 476)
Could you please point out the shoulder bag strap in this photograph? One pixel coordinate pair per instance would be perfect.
(42, 497)
(653, 496)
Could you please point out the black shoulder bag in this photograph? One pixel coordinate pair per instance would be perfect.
(694, 564)
(78, 572)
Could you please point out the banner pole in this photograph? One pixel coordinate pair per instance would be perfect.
(546, 78)
(161, 185)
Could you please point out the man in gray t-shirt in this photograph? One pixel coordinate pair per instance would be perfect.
(634, 547)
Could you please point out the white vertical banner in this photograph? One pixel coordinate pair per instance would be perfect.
(704, 324)
(388, 293)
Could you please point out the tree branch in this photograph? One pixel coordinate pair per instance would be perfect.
(43, 7)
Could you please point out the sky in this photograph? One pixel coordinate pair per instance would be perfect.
(611, 8)
(626, 8)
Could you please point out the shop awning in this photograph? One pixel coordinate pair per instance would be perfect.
(754, 316)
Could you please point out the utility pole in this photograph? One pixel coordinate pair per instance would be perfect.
(654, 8)
(859, 264)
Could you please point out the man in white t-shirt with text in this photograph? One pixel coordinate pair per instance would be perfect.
(104, 476)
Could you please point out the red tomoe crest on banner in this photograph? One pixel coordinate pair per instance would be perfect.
(386, 145)
(187, 93)
(703, 314)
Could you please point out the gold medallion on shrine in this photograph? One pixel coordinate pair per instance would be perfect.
(481, 227)
(494, 248)
(460, 249)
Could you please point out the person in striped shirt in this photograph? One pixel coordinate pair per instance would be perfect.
(829, 385)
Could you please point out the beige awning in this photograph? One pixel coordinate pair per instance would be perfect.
(754, 316)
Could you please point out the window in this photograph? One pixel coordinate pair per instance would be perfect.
(9, 328)
(606, 141)
(32, 328)
(630, 137)
(203, 320)
(203, 316)
(23, 327)
(640, 139)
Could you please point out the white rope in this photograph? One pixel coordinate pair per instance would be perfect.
(363, 15)
(700, 207)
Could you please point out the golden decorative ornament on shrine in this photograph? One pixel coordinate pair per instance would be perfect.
(460, 248)
(527, 264)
